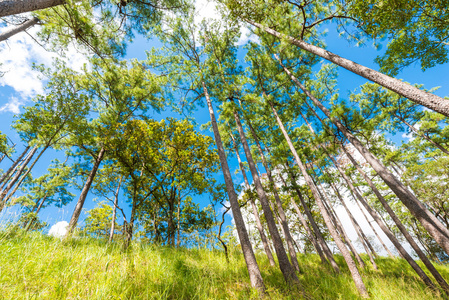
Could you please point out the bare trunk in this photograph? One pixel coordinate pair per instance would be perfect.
(373, 229)
(15, 178)
(283, 218)
(30, 222)
(366, 244)
(13, 7)
(83, 195)
(401, 227)
(17, 29)
(345, 253)
(178, 236)
(309, 233)
(418, 96)
(114, 212)
(434, 226)
(315, 228)
(341, 229)
(259, 226)
(25, 175)
(13, 166)
(250, 259)
(287, 270)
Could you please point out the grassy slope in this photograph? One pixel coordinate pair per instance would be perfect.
(39, 267)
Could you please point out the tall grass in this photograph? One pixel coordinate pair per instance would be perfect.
(33, 266)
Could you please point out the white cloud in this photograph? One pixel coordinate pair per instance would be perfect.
(246, 36)
(12, 106)
(18, 55)
(59, 229)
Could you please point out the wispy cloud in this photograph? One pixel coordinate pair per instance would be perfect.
(12, 106)
(19, 53)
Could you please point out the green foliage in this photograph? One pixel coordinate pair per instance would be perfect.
(418, 30)
(98, 221)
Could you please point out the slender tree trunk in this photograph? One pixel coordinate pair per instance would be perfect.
(13, 7)
(345, 253)
(372, 227)
(339, 226)
(250, 259)
(17, 29)
(363, 239)
(434, 226)
(25, 175)
(16, 177)
(83, 195)
(259, 226)
(400, 226)
(114, 212)
(309, 233)
(13, 166)
(30, 222)
(178, 241)
(315, 228)
(287, 270)
(282, 217)
(418, 96)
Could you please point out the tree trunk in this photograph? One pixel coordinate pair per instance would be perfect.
(435, 228)
(16, 177)
(250, 259)
(283, 218)
(13, 7)
(309, 232)
(372, 227)
(363, 239)
(114, 212)
(341, 229)
(345, 253)
(259, 226)
(315, 228)
(83, 195)
(421, 97)
(178, 236)
(400, 226)
(17, 29)
(13, 166)
(30, 222)
(287, 270)
(25, 175)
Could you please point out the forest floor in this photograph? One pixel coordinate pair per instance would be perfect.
(34, 266)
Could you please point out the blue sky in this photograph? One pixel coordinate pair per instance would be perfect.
(21, 83)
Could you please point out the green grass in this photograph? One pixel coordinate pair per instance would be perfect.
(33, 266)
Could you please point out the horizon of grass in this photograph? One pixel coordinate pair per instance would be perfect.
(35, 266)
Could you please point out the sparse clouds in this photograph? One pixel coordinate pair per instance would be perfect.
(19, 53)
(12, 106)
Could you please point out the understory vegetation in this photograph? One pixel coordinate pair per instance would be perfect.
(35, 266)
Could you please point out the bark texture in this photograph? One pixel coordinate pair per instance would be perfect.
(284, 264)
(280, 209)
(345, 253)
(84, 192)
(13, 7)
(259, 226)
(434, 226)
(248, 253)
(17, 29)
